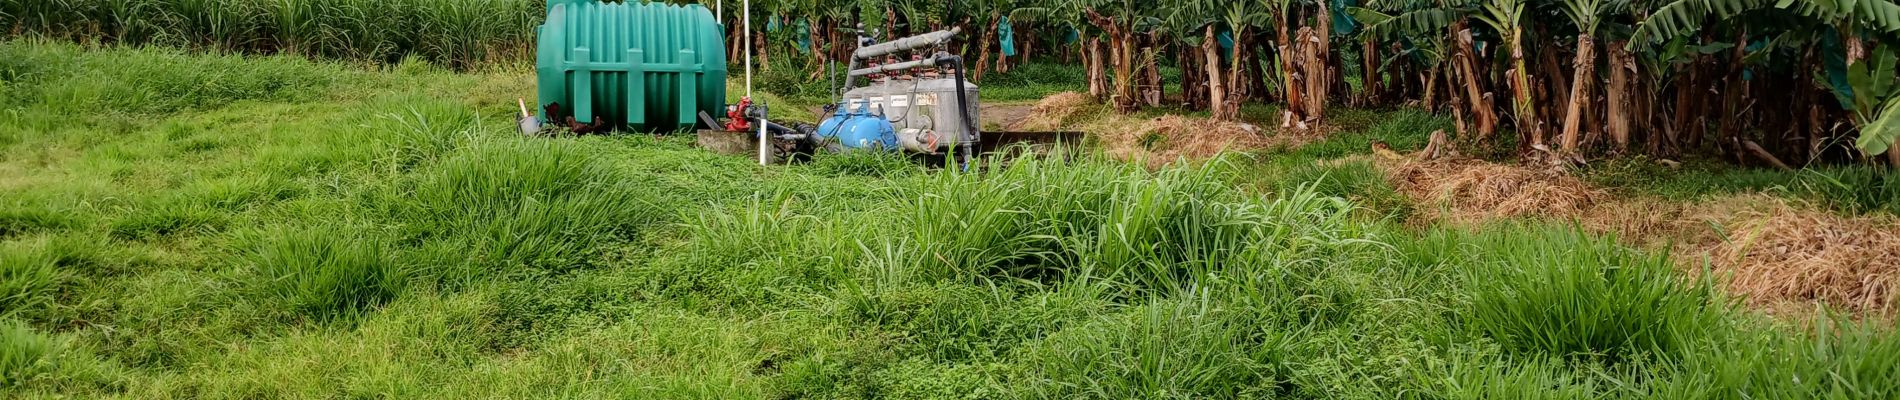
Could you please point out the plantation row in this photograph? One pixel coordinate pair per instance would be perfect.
(1757, 82)
(306, 230)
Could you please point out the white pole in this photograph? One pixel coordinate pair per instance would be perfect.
(719, 11)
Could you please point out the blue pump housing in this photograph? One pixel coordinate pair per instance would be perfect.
(858, 129)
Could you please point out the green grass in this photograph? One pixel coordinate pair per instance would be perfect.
(1853, 189)
(384, 233)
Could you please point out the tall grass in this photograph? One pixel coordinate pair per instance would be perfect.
(1559, 293)
(543, 204)
(460, 34)
(327, 272)
(28, 279)
(208, 244)
(22, 352)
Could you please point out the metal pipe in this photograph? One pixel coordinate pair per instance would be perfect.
(928, 62)
(909, 43)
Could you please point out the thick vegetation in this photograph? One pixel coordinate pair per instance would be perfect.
(461, 33)
(308, 230)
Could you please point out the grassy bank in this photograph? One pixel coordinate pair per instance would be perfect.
(193, 226)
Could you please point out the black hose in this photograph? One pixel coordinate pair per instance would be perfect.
(971, 134)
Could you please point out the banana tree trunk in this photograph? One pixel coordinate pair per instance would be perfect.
(1618, 95)
(1151, 77)
(1323, 50)
(1525, 99)
(1586, 75)
(1312, 59)
(1194, 79)
(1290, 81)
(1098, 81)
(1483, 114)
(1733, 89)
(1216, 89)
(1369, 83)
(983, 49)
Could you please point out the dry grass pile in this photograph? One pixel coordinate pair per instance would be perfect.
(1054, 112)
(1775, 254)
(1780, 256)
(1471, 190)
(1173, 137)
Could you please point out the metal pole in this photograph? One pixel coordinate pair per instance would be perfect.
(719, 11)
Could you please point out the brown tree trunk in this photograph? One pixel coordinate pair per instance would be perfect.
(1733, 88)
(1618, 96)
(1369, 90)
(1483, 114)
(1194, 79)
(1216, 90)
(1314, 72)
(1688, 89)
(1151, 77)
(1098, 80)
(1121, 56)
(1321, 67)
(1290, 72)
(1586, 75)
(1529, 126)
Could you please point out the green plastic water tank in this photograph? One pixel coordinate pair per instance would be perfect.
(645, 67)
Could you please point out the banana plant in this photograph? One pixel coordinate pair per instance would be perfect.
(1876, 100)
(1586, 15)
